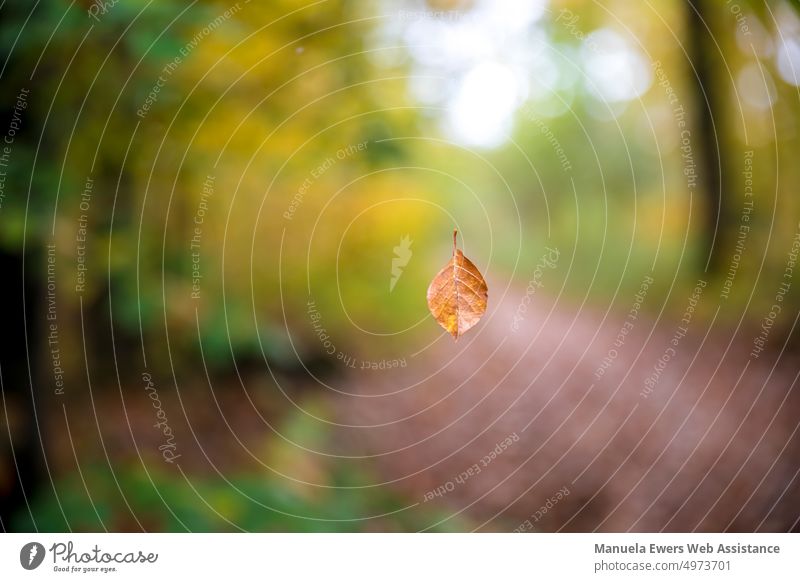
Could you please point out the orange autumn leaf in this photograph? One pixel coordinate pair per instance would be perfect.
(457, 295)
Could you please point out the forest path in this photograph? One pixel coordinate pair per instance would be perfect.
(504, 423)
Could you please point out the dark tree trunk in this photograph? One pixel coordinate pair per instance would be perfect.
(707, 108)
(22, 458)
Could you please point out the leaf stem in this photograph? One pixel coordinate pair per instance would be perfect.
(455, 233)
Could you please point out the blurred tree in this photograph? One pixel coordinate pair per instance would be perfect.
(705, 64)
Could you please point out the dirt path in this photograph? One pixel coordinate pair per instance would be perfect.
(521, 430)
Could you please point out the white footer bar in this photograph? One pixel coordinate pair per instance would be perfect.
(378, 557)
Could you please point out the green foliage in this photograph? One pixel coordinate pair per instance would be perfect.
(295, 490)
(132, 499)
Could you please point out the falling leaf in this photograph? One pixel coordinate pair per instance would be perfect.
(457, 295)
